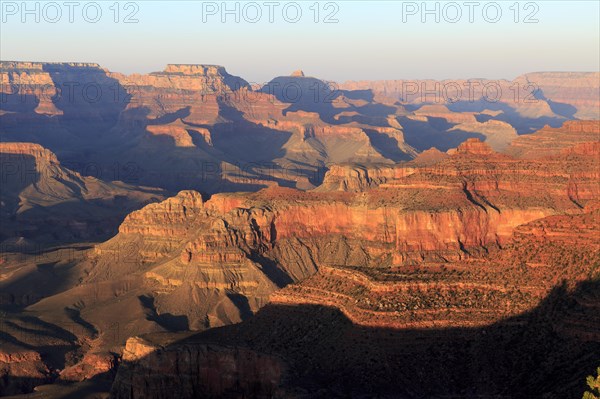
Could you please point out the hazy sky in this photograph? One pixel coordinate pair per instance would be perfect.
(370, 40)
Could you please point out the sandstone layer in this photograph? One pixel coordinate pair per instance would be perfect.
(518, 322)
(191, 126)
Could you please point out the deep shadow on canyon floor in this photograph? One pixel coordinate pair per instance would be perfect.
(315, 351)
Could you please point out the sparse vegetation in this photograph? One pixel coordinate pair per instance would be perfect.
(593, 384)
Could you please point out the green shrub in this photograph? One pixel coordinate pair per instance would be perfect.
(594, 385)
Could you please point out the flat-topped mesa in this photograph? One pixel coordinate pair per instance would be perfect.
(473, 146)
(41, 66)
(41, 154)
(196, 69)
(209, 79)
(5, 66)
(169, 217)
(36, 86)
(579, 127)
(355, 178)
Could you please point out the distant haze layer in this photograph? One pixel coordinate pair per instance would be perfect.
(338, 41)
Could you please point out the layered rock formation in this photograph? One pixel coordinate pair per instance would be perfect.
(414, 236)
(498, 134)
(186, 263)
(551, 141)
(190, 126)
(501, 321)
(209, 371)
(39, 196)
(21, 371)
(565, 94)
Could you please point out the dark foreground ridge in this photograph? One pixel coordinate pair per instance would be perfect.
(315, 351)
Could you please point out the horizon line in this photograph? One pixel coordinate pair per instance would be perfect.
(99, 65)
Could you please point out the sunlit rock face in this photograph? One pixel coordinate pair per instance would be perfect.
(550, 141)
(342, 319)
(201, 256)
(355, 220)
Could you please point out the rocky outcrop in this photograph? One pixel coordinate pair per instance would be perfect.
(211, 260)
(476, 162)
(484, 310)
(449, 240)
(538, 256)
(195, 69)
(26, 86)
(407, 248)
(212, 263)
(473, 147)
(583, 149)
(199, 121)
(92, 365)
(44, 156)
(498, 134)
(191, 370)
(429, 157)
(355, 177)
(21, 371)
(177, 132)
(36, 189)
(206, 79)
(551, 141)
(364, 330)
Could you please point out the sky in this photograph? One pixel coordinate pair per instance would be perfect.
(335, 40)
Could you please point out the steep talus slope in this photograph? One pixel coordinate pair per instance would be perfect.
(41, 199)
(186, 263)
(504, 325)
(190, 126)
(485, 177)
(416, 251)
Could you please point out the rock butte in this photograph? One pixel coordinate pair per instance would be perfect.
(418, 318)
(189, 126)
(354, 240)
